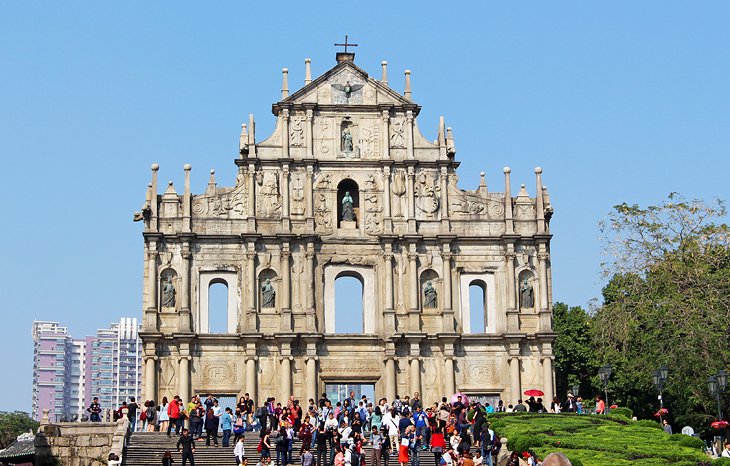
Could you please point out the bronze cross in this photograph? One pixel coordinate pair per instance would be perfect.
(346, 44)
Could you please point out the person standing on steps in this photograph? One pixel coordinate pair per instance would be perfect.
(227, 426)
(239, 452)
(187, 443)
(211, 428)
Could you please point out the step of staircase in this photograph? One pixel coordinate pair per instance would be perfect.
(147, 448)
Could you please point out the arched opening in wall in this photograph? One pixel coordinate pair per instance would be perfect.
(349, 311)
(268, 290)
(430, 290)
(526, 290)
(348, 203)
(218, 306)
(478, 306)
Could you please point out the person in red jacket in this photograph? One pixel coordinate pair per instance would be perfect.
(173, 410)
(438, 444)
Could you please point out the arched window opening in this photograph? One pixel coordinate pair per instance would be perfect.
(478, 306)
(348, 203)
(218, 307)
(349, 304)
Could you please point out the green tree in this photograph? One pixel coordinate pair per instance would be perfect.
(667, 302)
(13, 424)
(575, 354)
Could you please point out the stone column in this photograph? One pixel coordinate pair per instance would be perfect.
(449, 381)
(251, 188)
(547, 377)
(388, 314)
(309, 198)
(509, 222)
(285, 133)
(390, 385)
(386, 134)
(309, 128)
(411, 194)
(286, 324)
(309, 274)
(251, 288)
(415, 376)
(448, 313)
(184, 319)
(286, 377)
(539, 201)
(542, 258)
(251, 377)
(311, 377)
(513, 318)
(409, 134)
(183, 377)
(444, 193)
(285, 193)
(150, 377)
(413, 290)
(386, 192)
(152, 279)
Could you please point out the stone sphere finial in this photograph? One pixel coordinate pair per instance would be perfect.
(507, 170)
(169, 183)
(522, 186)
(285, 70)
(307, 60)
(408, 71)
(155, 167)
(187, 167)
(212, 171)
(384, 62)
(538, 170)
(482, 174)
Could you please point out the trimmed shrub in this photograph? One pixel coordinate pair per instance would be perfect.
(524, 442)
(721, 462)
(575, 461)
(691, 442)
(625, 412)
(649, 423)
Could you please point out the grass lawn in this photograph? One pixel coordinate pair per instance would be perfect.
(598, 440)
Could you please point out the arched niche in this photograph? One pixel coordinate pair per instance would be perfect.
(526, 290)
(169, 294)
(486, 282)
(268, 291)
(430, 286)
(366, 276)
(348, 186)
(230, 280)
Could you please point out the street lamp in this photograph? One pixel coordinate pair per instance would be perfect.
(605, 374)
(659, 377)
(576, 387)
(716, 385)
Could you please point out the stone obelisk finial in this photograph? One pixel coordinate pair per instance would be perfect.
(384, 79)
(307, 71)
(284, 83)
(407, 94)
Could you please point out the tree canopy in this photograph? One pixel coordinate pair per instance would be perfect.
(13, 424)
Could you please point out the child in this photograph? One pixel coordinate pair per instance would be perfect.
(167, 458)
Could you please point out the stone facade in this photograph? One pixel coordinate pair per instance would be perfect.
(282, 235)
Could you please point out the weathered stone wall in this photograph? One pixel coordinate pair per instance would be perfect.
(80, 443)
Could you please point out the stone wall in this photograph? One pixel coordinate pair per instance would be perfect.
(79, 443)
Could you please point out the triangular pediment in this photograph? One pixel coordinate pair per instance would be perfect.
(348, 85)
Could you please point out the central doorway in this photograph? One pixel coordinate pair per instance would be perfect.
(340, 391)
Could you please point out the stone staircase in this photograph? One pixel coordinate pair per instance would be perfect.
(147, 448)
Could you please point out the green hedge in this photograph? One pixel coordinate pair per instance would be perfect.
(624, 412)
(649, 423)
(721, 462)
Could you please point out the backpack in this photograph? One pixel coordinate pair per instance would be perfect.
(355, 458)
(398, 405)
(143, 416)
(261, 412)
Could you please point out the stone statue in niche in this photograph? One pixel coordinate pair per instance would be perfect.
(269, 295)
(297, 196)
(296, 136)
(348, 213)
(268, 194)
(346, 141)
(398, 138)
(430, 296)
(168, 293)
(527, 297)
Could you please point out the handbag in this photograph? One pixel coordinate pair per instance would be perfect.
(261, 446)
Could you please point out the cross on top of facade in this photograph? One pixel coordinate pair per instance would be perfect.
(346, 44)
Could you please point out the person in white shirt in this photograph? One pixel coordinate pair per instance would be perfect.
(726, 452)
(331, 422)
(239, 452)
(447, 458)
(390, 422)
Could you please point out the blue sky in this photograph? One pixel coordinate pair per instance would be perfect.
(617, 101)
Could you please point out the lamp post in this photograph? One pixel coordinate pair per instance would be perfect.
(716, 384)
(605, 374)
(576, 388)
(659, 377)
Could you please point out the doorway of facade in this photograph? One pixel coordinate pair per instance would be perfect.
(484, 398)
(340, 391)
(224, 401)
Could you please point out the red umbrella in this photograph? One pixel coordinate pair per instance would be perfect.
(719, 424)
(534, 392)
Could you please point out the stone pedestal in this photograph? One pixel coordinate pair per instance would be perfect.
(348, 225)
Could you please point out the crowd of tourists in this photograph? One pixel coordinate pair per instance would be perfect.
(456, 432)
